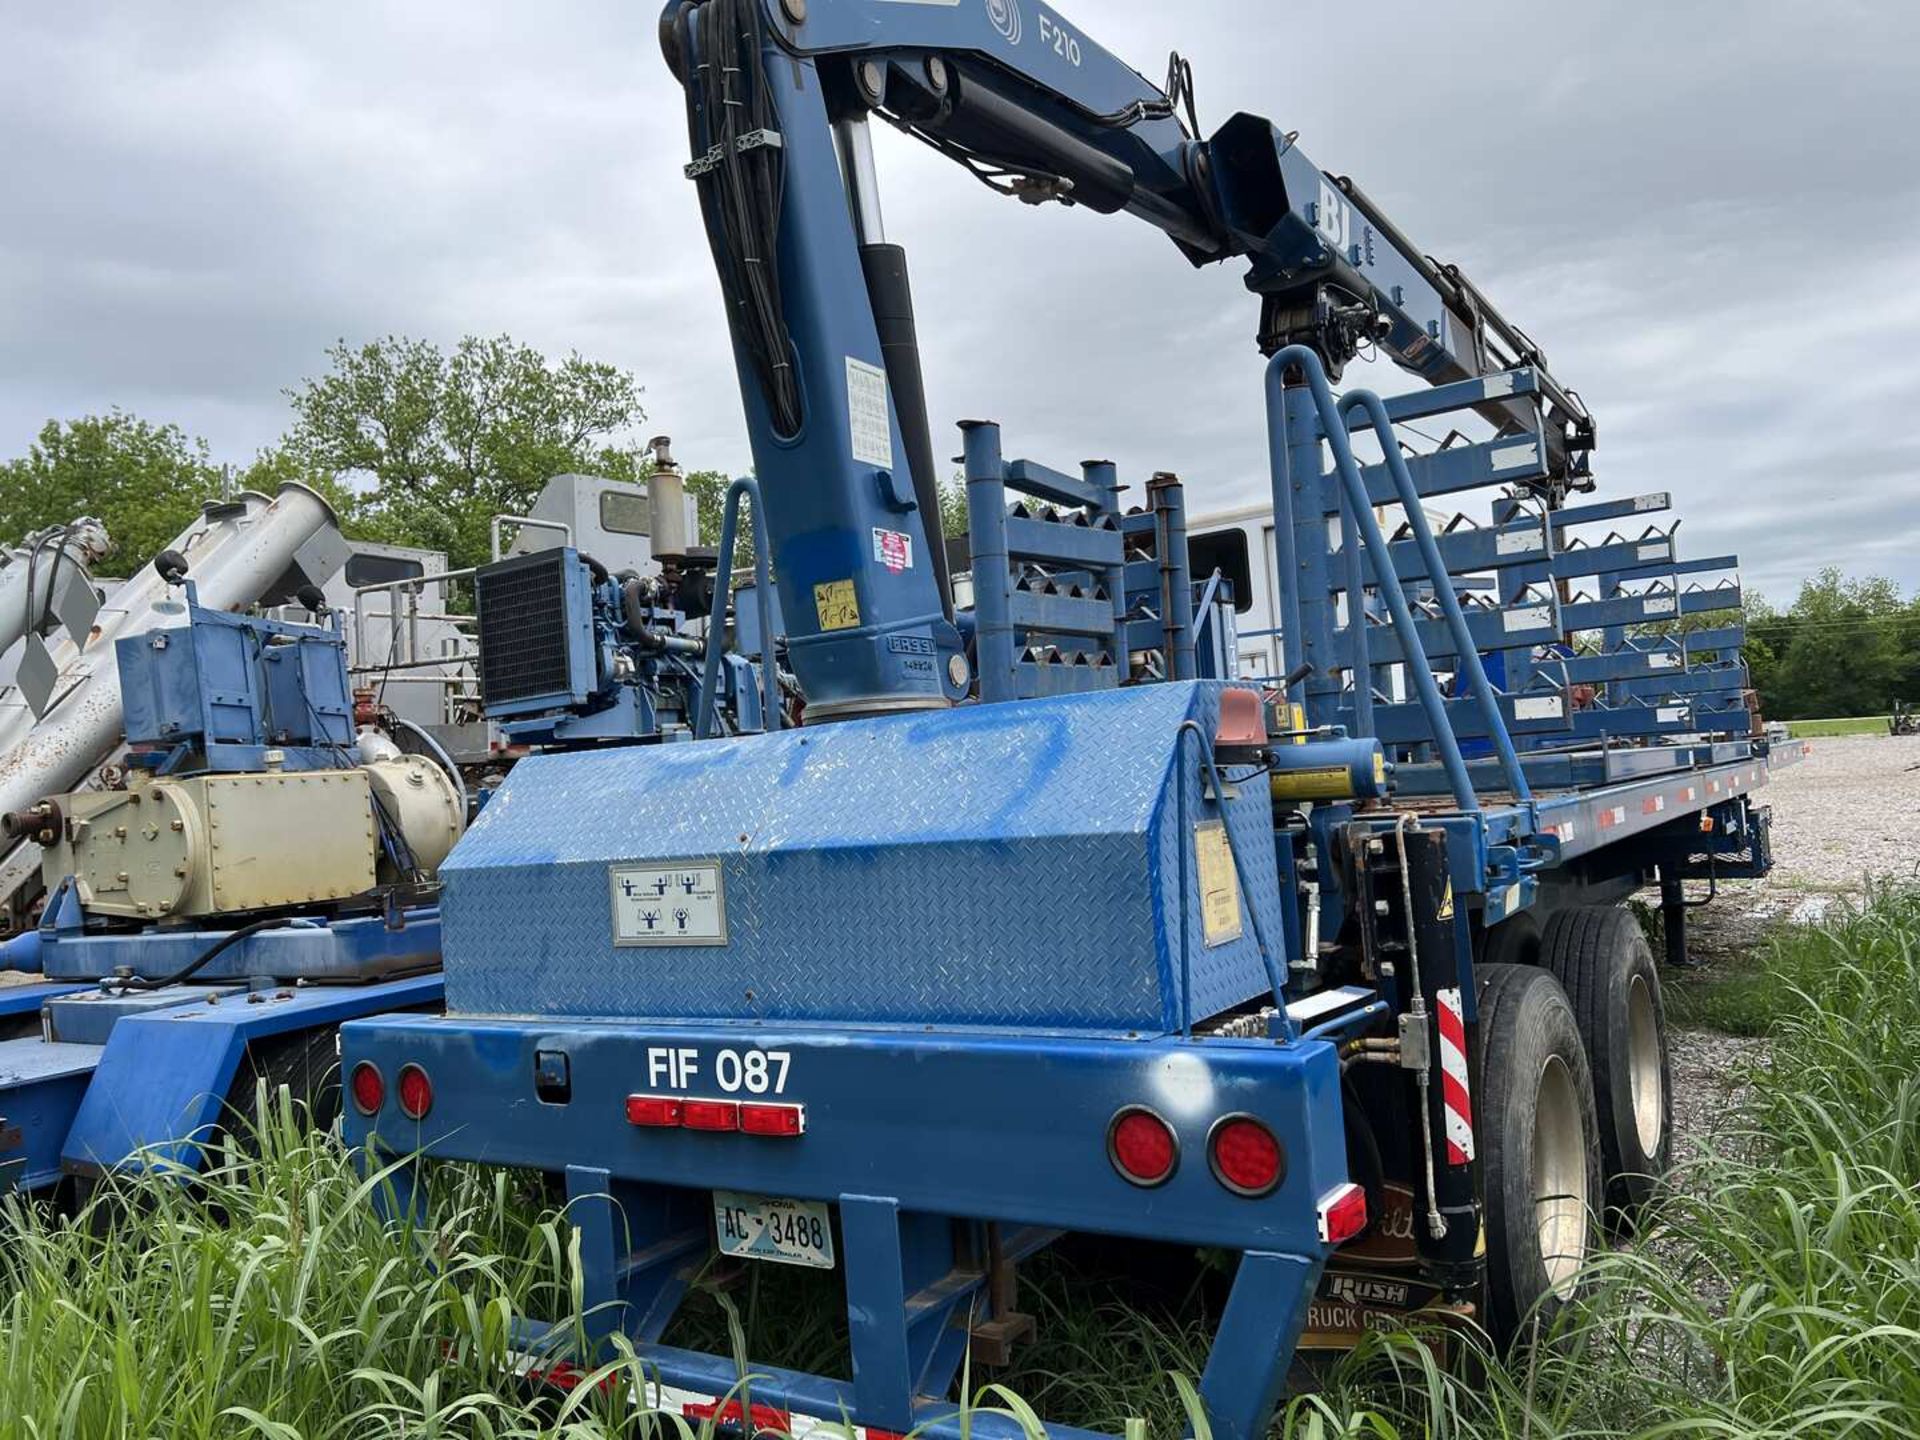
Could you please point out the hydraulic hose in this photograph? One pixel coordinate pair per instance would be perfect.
(205, 958)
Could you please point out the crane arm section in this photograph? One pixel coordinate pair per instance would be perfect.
(779, 93)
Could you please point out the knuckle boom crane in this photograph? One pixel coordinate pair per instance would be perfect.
(1061, 926)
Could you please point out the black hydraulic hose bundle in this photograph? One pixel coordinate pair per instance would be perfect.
(740, 170)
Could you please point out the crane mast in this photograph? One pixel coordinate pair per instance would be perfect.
(779, 97)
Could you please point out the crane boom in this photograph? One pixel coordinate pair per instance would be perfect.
(779, 94)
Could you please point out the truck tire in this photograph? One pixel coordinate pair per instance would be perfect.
(307, 1062)
(1602, 960)
(1539, 1146)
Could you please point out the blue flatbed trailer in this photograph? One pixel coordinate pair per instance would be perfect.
(1059, 925)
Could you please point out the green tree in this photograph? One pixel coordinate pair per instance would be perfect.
(143, 481)
(953, 506)
(435, 443)
(1848, 649)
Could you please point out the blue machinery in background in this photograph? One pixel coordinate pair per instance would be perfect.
(909, 995)
(130, 1047)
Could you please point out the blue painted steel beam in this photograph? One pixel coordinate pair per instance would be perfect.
(1062, 543)
(1707, 565)
(162, 1079)
(1407, 724)
(1586, 821)
(1639, 609)
(1461, 394)
(1602, 511)
(310, 949)
(19, 1000)
(41, 1087)
(1049, 484)
(887, 1108)
(1510, 461)
(1528, 624)
(1701, 680)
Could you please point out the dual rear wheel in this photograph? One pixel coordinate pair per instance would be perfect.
(1573, 1107)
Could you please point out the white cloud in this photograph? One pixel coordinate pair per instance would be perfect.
(1706, 222)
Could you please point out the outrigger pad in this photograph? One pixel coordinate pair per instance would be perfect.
(1033, 864)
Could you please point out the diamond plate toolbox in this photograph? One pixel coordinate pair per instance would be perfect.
(1019, 865)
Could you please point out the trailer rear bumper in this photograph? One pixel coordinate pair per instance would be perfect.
(991, 1126)
(915, 1140)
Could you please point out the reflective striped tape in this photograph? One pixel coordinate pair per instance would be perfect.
(1454, 1095)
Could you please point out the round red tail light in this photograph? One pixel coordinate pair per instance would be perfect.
(416, 1092)
(1142, 1146)
(369, 1088)
(1245, 1155)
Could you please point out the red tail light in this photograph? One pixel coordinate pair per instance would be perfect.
(764, 1119)
(1343, 1213)
(659, 1112)
(711, 1114)
(1245, 1155)
(416, 1092)
(369, 1088)
(1142, 1146)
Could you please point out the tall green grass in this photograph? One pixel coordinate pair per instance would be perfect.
(1776, 1295)
(1828, 729)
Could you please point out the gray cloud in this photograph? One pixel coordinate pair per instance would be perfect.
(1704, 213)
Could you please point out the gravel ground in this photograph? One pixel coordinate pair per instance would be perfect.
(1849, 811)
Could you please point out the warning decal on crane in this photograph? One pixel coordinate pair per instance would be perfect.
(1219, 886)
(892, 549)
(837, 605)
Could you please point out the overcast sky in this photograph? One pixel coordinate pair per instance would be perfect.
(1708, 214)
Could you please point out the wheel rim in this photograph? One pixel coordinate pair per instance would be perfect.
(1643, 1068)
(1560, 1177)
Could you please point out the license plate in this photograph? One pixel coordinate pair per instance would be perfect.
(771, 1227)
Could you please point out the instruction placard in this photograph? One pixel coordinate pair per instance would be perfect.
(872, 440)
(1219, 886)
(680, 903)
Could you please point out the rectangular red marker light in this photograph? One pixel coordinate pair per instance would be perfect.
(1343, 1213)
(760, 1119)
(659, 1112)
(710, 1114)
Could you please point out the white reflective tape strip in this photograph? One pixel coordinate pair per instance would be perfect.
(1659, 500)
(1663, 660)
(1689, 795)
(1528, 617)
(1456, 1088)
(1672, 714)
(1512, 457)
(1539, 707)
(1522, 541)
(1564, 830)
(1657, 605)
(1501, 384)
(1662, 551)
(1612, 816)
